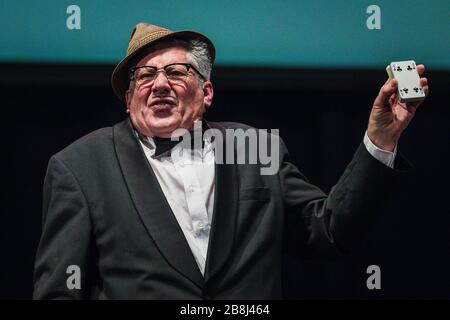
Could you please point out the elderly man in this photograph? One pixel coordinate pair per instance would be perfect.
(126, 219)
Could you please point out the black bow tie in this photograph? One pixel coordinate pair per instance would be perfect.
(163, 145)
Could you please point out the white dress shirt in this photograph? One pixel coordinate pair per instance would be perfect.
(187, 179)
(188, 185)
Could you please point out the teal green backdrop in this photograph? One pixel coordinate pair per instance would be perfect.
(319, 33)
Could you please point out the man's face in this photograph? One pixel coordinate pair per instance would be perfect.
(159, 108)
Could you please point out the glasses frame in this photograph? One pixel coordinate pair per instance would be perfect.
(187, 65)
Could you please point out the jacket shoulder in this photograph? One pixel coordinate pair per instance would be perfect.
(90, 145)
(88, 141)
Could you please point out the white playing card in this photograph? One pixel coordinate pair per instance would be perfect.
(409, 88)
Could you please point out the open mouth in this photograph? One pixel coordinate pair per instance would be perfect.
(162, 105)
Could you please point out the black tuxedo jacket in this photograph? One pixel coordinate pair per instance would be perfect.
(104, 211)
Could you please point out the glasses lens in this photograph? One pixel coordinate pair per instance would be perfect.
(145, 74)
(177, 72)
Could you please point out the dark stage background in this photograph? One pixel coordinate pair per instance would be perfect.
(322, 116)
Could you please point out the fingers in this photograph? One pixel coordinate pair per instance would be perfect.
(387, 95)
(426, 90)
(386, 91)
(413, 106)
(423, 81)
(424, 84)
(420, 69)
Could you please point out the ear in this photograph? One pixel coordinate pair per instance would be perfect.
(128, 97)
(208, 93)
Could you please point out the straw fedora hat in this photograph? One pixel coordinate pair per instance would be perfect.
(142, 36)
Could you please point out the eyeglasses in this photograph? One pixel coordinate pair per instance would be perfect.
(175, 72)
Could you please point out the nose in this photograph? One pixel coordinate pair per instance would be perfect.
(161, 83)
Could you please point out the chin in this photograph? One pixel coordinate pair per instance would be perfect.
(164, 126)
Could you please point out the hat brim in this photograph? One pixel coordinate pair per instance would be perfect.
(120, 75)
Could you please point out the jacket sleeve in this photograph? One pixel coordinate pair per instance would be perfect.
(331, 225)
(65, 246)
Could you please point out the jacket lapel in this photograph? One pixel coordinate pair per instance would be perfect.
(221, 240)
(151, 203)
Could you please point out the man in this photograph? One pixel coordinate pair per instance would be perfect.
(135, 222)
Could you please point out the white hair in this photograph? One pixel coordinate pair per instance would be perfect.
(198, 54)
(200, 57)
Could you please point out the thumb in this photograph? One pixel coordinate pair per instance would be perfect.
(386, 91)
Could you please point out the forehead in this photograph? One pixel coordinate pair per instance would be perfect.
(162, 56)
